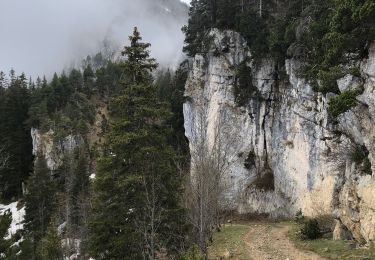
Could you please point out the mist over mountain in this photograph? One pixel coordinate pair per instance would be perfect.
(42, 36)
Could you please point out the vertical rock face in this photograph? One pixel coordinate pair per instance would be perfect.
(282, 151)
(53, 151)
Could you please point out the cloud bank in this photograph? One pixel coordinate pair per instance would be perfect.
(40, 37)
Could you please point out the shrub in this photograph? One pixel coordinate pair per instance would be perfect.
(250, 160)
(342, 103)
(359, 156)
(244, 88)
(310, 229)
(328, 79)
(193, 253)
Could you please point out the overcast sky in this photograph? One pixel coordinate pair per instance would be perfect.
(43, 36)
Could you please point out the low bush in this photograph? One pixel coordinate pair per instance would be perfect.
(244, 88)
(193, 253)
(359, 156)
(310, 229)
(343, 103)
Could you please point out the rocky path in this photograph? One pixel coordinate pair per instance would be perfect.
(269, 241)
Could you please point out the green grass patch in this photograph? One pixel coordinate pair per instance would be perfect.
(331, 249)
(230, 242)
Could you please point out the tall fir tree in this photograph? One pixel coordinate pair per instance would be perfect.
(40, 202)
(15, 136)
(136, 205)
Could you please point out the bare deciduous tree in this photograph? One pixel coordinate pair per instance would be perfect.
(148, 224)
(211, 156)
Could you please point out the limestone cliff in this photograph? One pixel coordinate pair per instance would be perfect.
(283, 151)
(54, 148)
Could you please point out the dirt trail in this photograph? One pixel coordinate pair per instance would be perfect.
(269, 241)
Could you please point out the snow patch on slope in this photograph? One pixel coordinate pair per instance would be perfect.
(18, 216)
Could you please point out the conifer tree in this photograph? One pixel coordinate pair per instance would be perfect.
(50, 245)
(199, 22)
(15, 136)
(136, 193)
(40, 201)
(5, 221)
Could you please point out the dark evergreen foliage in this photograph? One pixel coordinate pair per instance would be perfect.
(136, 205)
(5, 221)
(327, 35)
(171, 88)
(40, 202)
(342, 103)
(310, 229)
(244, 88)
(14, 134)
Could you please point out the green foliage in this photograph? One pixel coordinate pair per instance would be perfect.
(329, 79)
(343, 103)
(360, 157)
(338, 39)
(232, 239)
(193, 253)
(327, 35)
(171, 89)
(67, 112)
(67, 104)
(40, 201)
(244, 88)
(337, 249)
(5, 221)
(50, 246)
(14, 135)
(310, 229)
(199, 21)
(359, 154)
(25, 250)
(254, 29)
(137, 189)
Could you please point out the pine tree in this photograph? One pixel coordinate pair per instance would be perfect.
(40, 201)
(200, 20)
(74, 205)
(50, 246)
(137, 189)
(88, 79)
(15, 136)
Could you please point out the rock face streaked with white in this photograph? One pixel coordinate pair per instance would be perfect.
(52, 150)
(290, 135)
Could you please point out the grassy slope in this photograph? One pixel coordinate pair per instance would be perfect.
(331, 249)
(230, 242)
